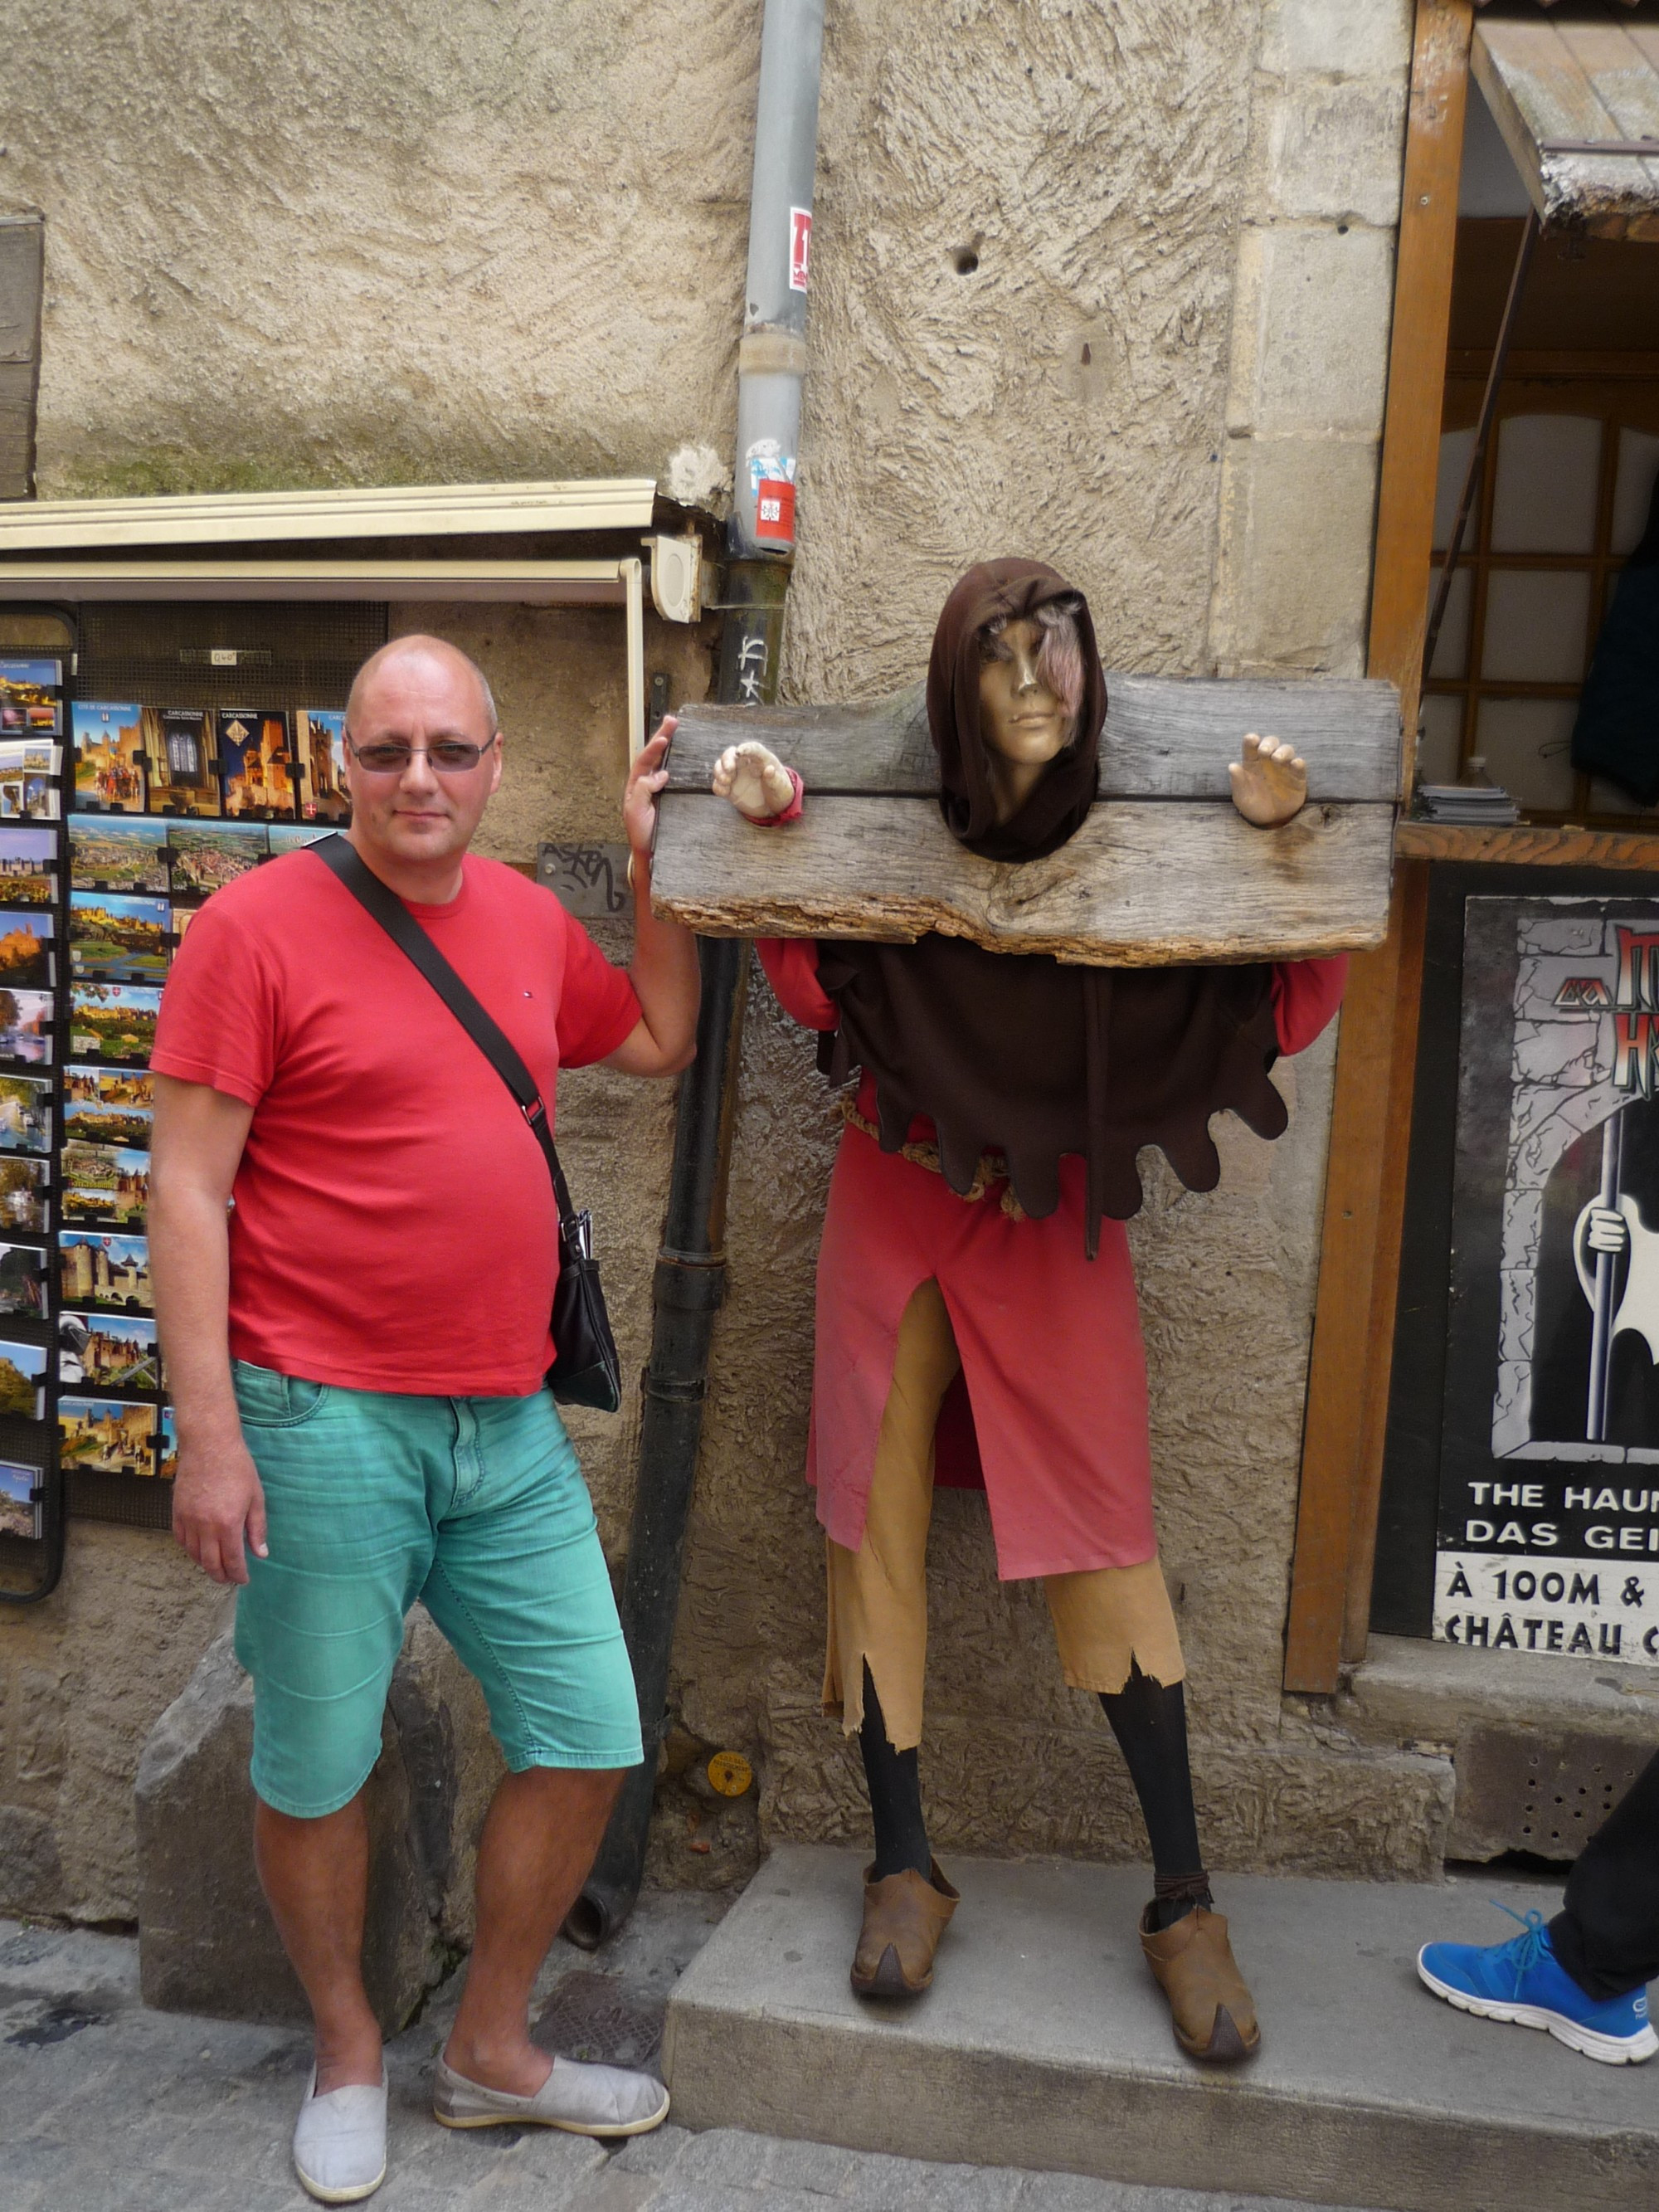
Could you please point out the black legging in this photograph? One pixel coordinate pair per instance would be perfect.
(1149, 1720)
(1607, 1933)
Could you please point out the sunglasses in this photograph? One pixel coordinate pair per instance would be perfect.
(390, 756)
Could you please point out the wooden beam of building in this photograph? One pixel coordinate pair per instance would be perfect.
(22, 268)
(1139, 885)
(1364, 1188)
(1165, 737)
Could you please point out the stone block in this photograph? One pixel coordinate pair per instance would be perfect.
(1294, 576)
(1044, 2043)
(1293, 1805)
(1310, 332)
(1337, 38)
(206, 1941)
(1333, 150)
(31, 1878)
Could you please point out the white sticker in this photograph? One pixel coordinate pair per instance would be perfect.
(1585, 1608)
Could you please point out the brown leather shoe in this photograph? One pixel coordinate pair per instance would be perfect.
(1212, 2010)
(904, 1917)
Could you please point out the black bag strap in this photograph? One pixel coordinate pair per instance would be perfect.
(340, 855)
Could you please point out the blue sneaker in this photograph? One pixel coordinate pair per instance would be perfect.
(1523, 1981)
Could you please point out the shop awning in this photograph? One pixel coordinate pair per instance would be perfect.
(268, 518)
(1577, 98)
(75, 549)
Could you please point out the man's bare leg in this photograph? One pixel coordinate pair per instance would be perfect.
(315, 1877)
(543, 1828)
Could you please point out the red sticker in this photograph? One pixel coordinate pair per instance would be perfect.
(775, 509)
(801, 246)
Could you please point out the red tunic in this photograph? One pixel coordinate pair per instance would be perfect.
(1050, 1342)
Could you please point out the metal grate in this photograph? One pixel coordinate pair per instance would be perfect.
(1545, 1795)
(137, 1502)
(197, 653)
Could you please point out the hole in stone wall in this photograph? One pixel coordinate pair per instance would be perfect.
(966, 260)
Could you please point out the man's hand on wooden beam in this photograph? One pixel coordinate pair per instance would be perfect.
(755, 779)
(1270, 782)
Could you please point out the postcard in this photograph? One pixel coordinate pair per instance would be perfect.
(23, 1194)
(167, 1446)
(26, 1026)
(105, 1182)
(116, 937)
(44, 720)
(182, 918)
(102, 1270)
(28, 866)
(292, 836)
(181, 762)
(109, 1086)
(109, 758)
(117, 1021)
(22, 1279)
(110, 853)
(96, 1123)
(320, 745)
(105, 1435)
(24, 1114)
(40, 798)
(26, 961)
(256, 763)
(20, 1507)
(29, 681)
(107, 1351)
(23, 1380)
(206, 855)
(30, 756)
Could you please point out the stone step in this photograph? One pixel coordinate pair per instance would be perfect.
(1043, 2043)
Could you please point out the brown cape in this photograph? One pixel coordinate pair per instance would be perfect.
(1013, 1052)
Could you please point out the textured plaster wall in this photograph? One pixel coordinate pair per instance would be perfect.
(299, 244)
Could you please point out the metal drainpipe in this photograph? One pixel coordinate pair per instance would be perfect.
(690, 1285)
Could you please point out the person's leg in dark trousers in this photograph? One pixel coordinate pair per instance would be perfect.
(1607, 1933)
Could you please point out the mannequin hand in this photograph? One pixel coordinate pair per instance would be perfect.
(1609, 1230)
(1270, 783)
(753, 779)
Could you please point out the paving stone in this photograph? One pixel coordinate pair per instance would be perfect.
(653, 2153)
(819, 2167)
(614, 2191)
(722, 2155)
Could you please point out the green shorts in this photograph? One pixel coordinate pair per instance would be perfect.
(476, 1506)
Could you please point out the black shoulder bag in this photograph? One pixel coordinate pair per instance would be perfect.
(585, 1370)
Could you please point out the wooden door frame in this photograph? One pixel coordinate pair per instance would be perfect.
(1365, 1181)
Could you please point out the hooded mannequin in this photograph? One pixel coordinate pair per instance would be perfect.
(980, 1233)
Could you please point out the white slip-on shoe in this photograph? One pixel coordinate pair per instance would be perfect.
(584, 2100)
(339, 2142)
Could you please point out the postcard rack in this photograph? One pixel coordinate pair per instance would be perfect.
(119, 816)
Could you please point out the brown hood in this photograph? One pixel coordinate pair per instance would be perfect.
(1059, 806)
(1014, 1053)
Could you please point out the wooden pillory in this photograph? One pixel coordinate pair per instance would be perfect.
(1163, 871)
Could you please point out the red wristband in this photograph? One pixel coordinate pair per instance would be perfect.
(791, 813)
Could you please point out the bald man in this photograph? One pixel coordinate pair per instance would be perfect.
(354, 1244)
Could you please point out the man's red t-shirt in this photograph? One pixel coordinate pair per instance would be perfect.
(394, 1226)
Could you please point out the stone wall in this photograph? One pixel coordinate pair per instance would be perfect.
(1109, 284)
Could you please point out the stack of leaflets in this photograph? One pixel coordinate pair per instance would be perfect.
(1470, 806)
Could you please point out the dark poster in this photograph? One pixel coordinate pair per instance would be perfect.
(1549, 1503)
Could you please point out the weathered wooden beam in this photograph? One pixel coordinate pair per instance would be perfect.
(1416, 352)
(21, 251)
(1138, 886)
(1165, 737)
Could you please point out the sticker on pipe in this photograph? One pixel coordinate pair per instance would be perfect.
(801, 246)
(775, 510)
